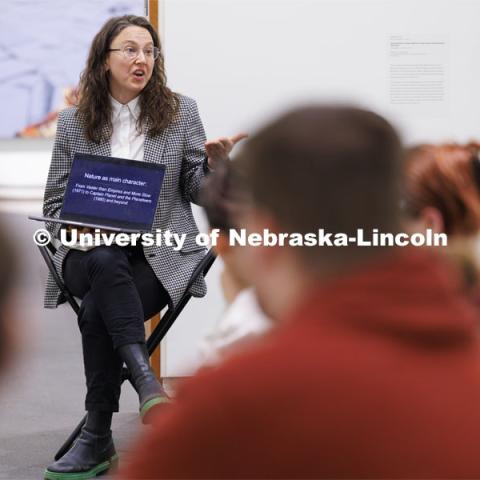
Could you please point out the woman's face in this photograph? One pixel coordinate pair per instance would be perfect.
(128, 77)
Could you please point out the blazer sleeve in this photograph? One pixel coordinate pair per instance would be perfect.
(60, 166)
(194, 164)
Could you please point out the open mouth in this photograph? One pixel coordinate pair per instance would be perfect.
(139, 73)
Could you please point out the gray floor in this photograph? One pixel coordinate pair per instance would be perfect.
(41, 398)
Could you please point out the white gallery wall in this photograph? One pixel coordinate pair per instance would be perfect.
(417, 62)
(246, 60)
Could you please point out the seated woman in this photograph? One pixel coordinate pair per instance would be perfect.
(126, 110)
(442, 193)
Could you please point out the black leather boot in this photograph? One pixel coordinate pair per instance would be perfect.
(90, 455)
(150, 391)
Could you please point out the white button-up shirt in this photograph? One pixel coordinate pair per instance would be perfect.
(127, 141)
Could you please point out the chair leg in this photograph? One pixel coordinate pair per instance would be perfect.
(68, 443)
(155, 356)
(76, 432)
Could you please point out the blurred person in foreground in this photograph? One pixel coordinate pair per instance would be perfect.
(242, 323)
(8, 326)
(374, 368)
(442, 192)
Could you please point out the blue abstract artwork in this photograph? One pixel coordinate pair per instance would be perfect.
(43, 49)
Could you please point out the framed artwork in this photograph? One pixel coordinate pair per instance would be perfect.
(43, 48)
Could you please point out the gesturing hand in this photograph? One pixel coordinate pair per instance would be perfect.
(218, 150)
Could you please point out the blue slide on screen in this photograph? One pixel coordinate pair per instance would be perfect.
(123, 191)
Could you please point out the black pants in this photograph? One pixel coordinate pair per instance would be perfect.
(119, 291)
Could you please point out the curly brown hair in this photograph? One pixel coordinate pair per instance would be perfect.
(157, 102)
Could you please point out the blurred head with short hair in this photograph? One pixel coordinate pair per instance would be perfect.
(221, 196)
(317, 167)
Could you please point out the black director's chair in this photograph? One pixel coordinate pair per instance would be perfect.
(154, 338)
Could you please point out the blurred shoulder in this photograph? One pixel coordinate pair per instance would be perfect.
(252, 368)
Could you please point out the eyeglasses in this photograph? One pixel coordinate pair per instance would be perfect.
(131, 53)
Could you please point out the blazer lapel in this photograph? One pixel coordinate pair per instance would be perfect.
(154, 147)
(103, 148)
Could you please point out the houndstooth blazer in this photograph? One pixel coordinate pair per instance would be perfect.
(181, 148)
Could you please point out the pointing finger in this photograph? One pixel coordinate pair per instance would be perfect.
(239, 136)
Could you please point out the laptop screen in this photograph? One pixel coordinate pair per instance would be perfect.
(113, 191)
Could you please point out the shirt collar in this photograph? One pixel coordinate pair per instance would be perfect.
(132, 105)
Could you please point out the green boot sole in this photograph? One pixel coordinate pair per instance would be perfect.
(149, 405)
(93, 472)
